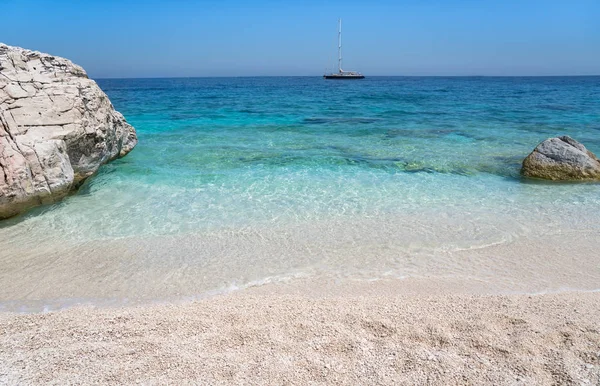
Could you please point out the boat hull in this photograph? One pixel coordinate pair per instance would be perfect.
(343, 76)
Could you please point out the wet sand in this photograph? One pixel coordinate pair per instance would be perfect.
(169, 268)
(387, 332)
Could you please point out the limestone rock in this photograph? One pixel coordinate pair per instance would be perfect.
(561, 158)
(56, 128)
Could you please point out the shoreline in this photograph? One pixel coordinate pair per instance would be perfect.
(301, 286)
(372, 333)
(193, 266)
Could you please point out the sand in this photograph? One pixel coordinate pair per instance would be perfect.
(377, 334)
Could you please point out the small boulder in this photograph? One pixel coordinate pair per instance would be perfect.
(561, 159)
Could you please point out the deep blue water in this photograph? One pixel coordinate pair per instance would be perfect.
(445, 125)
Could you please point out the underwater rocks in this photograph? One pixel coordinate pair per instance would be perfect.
(561, 158)
(57, 127)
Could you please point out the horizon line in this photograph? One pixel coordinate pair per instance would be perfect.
(370, 76)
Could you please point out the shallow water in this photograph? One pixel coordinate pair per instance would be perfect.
(245, 180)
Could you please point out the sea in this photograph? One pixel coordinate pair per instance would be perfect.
(239, 182)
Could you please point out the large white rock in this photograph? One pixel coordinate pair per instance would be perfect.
(56, 128)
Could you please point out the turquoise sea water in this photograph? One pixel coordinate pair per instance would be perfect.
(270, 155)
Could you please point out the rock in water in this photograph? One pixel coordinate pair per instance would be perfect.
(561, 158)
(56, 128)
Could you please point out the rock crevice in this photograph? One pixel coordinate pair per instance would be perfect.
(57, 127)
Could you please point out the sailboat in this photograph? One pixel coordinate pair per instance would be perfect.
(341, 74)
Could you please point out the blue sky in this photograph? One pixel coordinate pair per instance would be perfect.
(266, 37)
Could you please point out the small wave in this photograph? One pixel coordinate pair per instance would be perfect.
(556, 107)
(320, 121)
(482, 246)
(250, 111)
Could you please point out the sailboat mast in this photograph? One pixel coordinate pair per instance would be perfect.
(340, 45)
(341, 74)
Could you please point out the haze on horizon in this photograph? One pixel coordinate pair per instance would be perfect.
(121, 39)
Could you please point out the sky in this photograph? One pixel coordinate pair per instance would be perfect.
(178, 38)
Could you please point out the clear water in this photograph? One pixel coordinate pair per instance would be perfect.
(294, 176)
